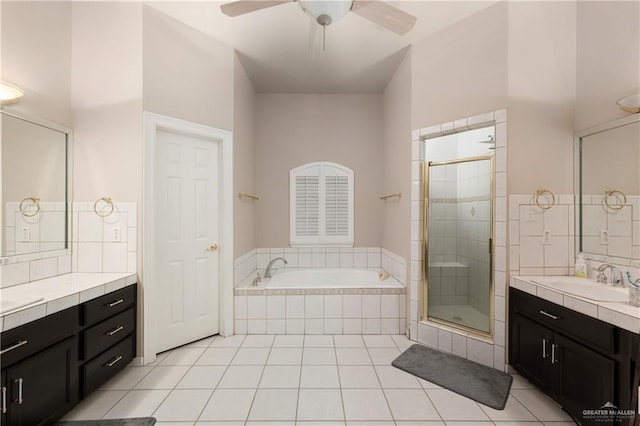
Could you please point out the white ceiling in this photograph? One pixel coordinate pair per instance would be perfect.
(275, 45)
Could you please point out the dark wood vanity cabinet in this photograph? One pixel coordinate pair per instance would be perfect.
(50, 364)
(107, 336)
(39, 370)
(581, 362)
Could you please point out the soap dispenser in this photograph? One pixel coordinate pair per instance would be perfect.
(580, 269)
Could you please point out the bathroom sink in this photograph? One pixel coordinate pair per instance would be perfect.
(585, 288)
(7, 305)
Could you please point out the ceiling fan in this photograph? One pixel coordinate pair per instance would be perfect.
(327, 11)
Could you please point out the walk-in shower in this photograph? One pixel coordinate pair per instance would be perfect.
(458, 230)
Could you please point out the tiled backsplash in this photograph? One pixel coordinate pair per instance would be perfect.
(32, 268)
(610, 231)
(541, 241)
(44, 231)
(99, 244)
(358, 257)
(104, 244)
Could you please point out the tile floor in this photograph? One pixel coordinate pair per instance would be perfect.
(288, 380)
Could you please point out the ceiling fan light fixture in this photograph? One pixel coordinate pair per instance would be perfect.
(10, 94)
(326, 12)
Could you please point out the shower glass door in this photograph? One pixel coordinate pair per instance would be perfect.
(458, 246)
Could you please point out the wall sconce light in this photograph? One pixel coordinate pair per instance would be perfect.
(9, 94)
(630, 103)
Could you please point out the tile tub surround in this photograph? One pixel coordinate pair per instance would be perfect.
(59, 293)
(320, 311)
(487, 352)
(621, 315)
(358, 257)
(346, 311)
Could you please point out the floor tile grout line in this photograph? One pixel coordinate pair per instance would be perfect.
(382, 388)
(344, 410)
(258, 384)
(172, 389)
(221, 377)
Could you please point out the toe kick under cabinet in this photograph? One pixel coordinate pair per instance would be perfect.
(581, 362)
(50, 364)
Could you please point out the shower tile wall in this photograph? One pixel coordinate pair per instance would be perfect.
(485, 351)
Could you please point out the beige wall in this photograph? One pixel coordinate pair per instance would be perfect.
(541, 86)
(187, 74)
(461, 71)
(396, 213)
(36, 56)
(107, 100)
(244, 164)
(517, 55)
(608, 59)
(296, 129)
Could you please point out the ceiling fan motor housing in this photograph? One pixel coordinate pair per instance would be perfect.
(326, 11)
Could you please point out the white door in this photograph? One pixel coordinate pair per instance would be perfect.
(186, 230)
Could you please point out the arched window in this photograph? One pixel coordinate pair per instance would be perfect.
(321, 205)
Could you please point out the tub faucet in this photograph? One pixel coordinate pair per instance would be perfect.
(616, 275)
(267, 273)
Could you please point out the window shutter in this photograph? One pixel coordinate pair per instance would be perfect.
(307, 204)
(321, 205)
(336, 206)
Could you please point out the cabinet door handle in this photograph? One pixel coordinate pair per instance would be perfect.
(15, 346)
(117, 302)
(544, 348)
(19, 382)
(553, 353)
(114, 362)
(547, 314)
(115, 330)
(4, 399)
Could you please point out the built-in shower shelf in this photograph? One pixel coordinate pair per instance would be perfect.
(447, 265)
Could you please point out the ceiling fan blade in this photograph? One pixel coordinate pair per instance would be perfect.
(381, 13)
(241, 7)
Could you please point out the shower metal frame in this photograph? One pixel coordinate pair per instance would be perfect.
(424, 314)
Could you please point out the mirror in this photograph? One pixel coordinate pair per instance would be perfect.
(608, 180)
(35, 186)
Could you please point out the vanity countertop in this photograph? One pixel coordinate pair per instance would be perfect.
(620, 314)
(57, 294)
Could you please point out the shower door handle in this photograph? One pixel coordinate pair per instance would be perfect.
(490, 245)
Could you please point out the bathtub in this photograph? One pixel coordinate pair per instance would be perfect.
(346, 278)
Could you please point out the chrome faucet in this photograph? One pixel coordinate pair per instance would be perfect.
(267, 273)
(616, 275)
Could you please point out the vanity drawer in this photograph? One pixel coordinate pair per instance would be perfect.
(106, 365)
(99, 337)
(567, 321)
(105, 306)
(22, 342)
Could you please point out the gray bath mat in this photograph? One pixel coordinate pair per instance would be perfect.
(478, 382)
(137, 421)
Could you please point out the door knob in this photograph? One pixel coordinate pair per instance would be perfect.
(213, 247)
